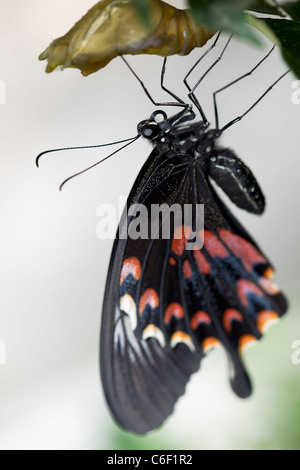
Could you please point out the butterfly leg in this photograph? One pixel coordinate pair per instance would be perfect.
(191, 94)
(236, 81)
(162, 76)
(178, 102)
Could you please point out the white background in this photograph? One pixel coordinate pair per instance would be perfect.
(53, 267)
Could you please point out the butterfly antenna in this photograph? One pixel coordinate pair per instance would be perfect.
(80, 148)
(133, 139)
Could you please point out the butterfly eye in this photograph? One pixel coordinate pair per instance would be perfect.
(150, 130)
(158, 116)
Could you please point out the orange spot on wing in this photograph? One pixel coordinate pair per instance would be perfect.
(131, 266)
(181, 337)
(269, 272)
(209, 343)
(246, 287)
(198, 318)
(173, 310)
(265, 318)
(149, 297)
(246, 340)
(172, 261)
(242, 248)
(231, 314)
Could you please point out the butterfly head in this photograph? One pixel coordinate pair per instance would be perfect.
(154, 128)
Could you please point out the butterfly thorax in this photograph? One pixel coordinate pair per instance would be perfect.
(197, 144)
(180, 135)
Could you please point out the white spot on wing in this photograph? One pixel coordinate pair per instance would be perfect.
(181, 337)
(127, 304)
(152, 331)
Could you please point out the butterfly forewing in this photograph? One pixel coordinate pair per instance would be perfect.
(179, 290)
(143, 376)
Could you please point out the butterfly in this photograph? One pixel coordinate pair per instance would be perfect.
(114, 27)
(170, 299)
(179, 283)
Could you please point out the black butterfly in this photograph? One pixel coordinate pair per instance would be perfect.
(165, 305)
(169, 299)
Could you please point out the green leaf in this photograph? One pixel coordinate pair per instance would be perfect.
(226, 16)
(288, 33)
(262, 6)
(284, 33)
(262, 26)
(293, 9)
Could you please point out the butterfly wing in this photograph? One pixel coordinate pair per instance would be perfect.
(165, 305)
(235, 279)
(142, 375)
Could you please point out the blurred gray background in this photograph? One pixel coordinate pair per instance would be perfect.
(53, 266)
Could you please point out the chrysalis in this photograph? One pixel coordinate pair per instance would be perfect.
(114, 27)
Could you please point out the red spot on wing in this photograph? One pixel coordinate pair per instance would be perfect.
(198, 318)
(213, 245)
(149, 297)
(187, 270)
(266, 282)
(131, 266)
(172, 261)
(246, 287)
(201, 261)
(173, 310)
(231, 314)
(242, 248)
(180, 238)
(268, 285)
